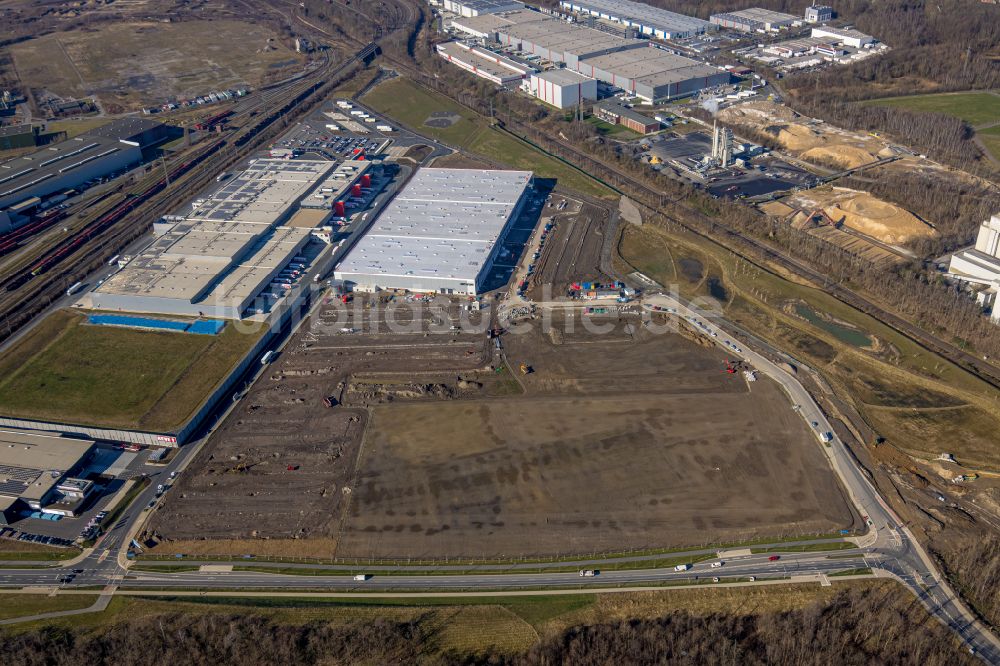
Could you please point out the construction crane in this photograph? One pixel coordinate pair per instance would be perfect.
(731, 367)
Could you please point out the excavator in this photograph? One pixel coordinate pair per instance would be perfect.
(526, 369)
(732, 368)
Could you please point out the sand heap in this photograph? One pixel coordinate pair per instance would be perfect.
(817, 142)
(864, 213)
(879, 219)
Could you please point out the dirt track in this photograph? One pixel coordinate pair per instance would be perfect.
(573, 249)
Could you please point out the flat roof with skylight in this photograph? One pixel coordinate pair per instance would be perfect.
(440, 233)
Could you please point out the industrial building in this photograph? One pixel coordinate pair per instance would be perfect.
(555, 40)
(845, 36)
(71, 163)
(14, 137)
(981, 265)
(618, 114)
(818, 14)
(652, 21)
(36, 473)
(221, 256)
(483, 63)
(440, 234)
(797, 48)
(631, 64)
(562, 88)
(61, 166)
(142, 131)
(469, 8)
(722, 146)
(653, 74)
(754, 19)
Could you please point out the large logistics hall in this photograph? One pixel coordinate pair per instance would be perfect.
(484, 64)
(26, 180)
(478, 7)
(754, 20)
(440, 234)
(630, 64)
(653, 21)
(218, 258)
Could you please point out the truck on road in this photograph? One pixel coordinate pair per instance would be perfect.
(682, 567)
(361, 577)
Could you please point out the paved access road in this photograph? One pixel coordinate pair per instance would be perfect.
(901, 555)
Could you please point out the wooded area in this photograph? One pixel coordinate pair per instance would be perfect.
(860, 625)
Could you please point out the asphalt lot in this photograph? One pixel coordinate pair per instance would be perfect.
(748, 181)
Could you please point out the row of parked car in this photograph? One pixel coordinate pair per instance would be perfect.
(17, 535)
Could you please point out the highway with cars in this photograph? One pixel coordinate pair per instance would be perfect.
(889, 542)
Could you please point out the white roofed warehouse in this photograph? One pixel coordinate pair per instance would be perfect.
(562, 88)
(440, 234)
(483, 63)
(630, 64)
(648, 20)
(219, 256)
(754, 19)
(477, 7)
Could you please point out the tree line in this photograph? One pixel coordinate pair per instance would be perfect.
(858, 625)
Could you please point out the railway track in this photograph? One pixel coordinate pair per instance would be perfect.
(29, 290)
(711, 230)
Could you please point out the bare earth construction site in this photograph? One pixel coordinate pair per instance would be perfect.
(616, 440)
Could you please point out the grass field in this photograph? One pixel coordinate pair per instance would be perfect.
(412, 105)
(69, 371)
(17, 605)
(991, 139)
(975, 108)
(130, 64)
(21, 550)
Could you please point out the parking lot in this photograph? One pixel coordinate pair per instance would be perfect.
(335, 132)
(110, 469)
(680, 157)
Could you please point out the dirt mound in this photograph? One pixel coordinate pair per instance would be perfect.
(756, 113)
(880, 219)
(841, 155)
(799, 137)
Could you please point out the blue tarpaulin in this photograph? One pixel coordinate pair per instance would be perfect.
(203, 327)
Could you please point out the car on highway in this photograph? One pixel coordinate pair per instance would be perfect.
(774, 558)
(716, 565)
